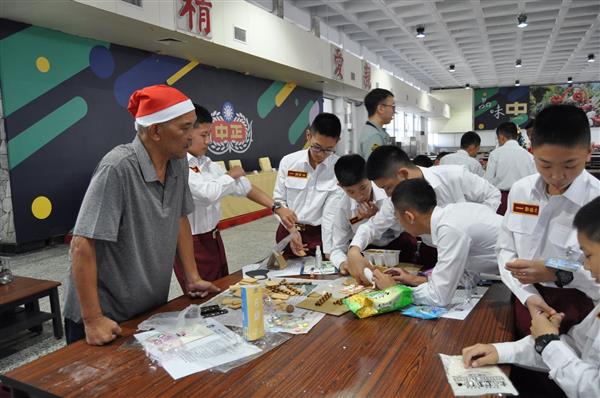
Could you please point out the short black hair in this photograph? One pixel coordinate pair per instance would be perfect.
(508, 129)
(529, 123)
(564, 125)
(350, 170)
(415, 193)
(586, 220)
(326, 124)
(385, 160)
(423, 161)
(202, 115)
(441, 155)
(470, 138)
(374, 98)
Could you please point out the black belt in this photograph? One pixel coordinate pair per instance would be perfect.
(212, 234)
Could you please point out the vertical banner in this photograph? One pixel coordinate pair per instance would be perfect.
(493, 106)
(366, 75)
(194, 16)
(338, 63)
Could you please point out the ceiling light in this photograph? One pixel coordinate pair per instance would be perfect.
(569, 80)
(517, 83)
(452, 70)
(420, 32)
(518, 64)
(467, 86)
(522, 19)
(591, 58)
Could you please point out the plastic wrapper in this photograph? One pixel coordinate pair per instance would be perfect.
(378, 302)
(424, 311)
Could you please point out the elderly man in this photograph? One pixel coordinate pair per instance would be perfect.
(132, 222)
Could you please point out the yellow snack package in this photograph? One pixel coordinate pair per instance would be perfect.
(391, 299)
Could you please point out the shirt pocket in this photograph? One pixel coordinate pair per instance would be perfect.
(328, 185)
(294, 186)
(564, 238)
(522, 228)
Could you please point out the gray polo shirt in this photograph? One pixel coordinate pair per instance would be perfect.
(372, 136)
(134, 220)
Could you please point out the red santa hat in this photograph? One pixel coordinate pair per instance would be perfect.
(157, 104)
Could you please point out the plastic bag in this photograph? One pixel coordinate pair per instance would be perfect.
(378, 302)
(424, 311)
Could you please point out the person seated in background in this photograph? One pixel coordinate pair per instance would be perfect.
(387, 167)
(380, 107)
(464, 235)
(470, 142)
(209, 183)
(439, 158)
(572, 359)
(305, 182)
(538, 225)
(508, 163)
(423, 161)
(359, 201)
(132, 222)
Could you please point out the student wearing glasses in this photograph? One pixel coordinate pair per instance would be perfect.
(305, 183)
(380, 108)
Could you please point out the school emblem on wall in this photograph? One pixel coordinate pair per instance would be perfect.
(230, 131)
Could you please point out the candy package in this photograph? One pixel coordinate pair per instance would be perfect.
(424, 311)
(378, 302)
(563, 264)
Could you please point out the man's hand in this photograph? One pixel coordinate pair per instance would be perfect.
(297, 246)
(400, 275)
(287, 216)
(383, 281)
(366, 210)
(236, 172)
(542, 323)
(480, 355)
(530, 271)
(355, 264)
(201, 288)
(100, 330)
(536, 304)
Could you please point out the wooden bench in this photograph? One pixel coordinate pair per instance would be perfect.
(27, 292)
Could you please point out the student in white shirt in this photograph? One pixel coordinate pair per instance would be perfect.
(464, 234)
(305, 183)
(572, 360)
(356, 204)
(209, 183)
(508, 163)
(387, 167)
(470, 142)
(538, 225)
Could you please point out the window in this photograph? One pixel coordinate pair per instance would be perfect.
(327, 105)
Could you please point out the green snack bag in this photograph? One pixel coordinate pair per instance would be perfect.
(391, 299)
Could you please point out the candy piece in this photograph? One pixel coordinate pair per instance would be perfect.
(280, 296)
(289, 309)
(326, 296)
(271, 283)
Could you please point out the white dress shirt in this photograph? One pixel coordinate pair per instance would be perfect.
(573, 362)
(550, 233)
(209, 183)
(452, 184)
(346, 222)
(462, 157)
(508, 164)
(465, 236)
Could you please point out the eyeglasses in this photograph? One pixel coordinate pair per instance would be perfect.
(319, 149)
(393, 106)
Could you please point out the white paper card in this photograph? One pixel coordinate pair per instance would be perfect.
(459, 308)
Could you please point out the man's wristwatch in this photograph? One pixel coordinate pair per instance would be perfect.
(276, 205)
(563, 278)
(542, 341)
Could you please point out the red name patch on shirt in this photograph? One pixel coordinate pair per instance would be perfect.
(354, 220)
(525, 208)
(297, 174)
(195, 169)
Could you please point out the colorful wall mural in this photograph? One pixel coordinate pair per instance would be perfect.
(492, 106)
(65, 98)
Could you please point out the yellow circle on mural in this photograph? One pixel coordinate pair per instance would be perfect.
(481, 126)
(42, 64)
(41, 207)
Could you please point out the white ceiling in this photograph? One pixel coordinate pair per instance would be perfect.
(480, 37)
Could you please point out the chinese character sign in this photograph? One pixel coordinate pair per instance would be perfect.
(492, 106)
(366, 75)
(194, 16)
(231, 131)
(338, 63)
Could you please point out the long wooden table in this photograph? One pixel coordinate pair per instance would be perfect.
(384, 356)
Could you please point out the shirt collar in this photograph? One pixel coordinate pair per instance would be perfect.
(148, 170)
(463, 153)
(378, 193)
(197, 161)
(511, 143)
(436, 215)
(380, 128)
(575, 193)
(430, 177)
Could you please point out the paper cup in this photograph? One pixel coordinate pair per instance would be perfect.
(392, 258)
(378, 259)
